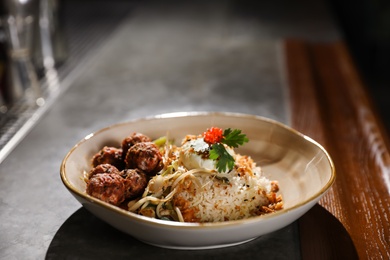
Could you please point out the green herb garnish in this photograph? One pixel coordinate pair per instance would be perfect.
(218, 152)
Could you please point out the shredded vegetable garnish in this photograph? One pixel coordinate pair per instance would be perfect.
(167, 181)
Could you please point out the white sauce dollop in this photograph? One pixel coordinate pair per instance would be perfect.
(191, 159)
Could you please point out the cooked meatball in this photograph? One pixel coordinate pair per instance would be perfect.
(109, 155)
(133, 139)
(135, 182)
(103, 168)
(108, 187)
(144, 156)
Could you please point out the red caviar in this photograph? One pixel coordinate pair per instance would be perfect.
(213, 135)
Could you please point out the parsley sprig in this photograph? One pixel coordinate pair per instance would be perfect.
(232, 138)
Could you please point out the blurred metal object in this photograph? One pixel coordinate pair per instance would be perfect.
(20, 8)
(51, 50)
(82, 42)
(17, 22)
(3, 59)
(22, 79)
(48, 32)
(49, 47)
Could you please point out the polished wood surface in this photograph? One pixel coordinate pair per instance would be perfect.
(330, 103)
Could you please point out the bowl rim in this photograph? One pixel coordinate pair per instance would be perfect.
(174, 224)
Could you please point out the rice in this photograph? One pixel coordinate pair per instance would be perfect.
(238, 196)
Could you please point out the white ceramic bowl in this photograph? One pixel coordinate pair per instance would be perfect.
(303, 168)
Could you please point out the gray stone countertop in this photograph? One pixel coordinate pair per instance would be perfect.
(165, 57)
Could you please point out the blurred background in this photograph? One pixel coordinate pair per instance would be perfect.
(75, 29)
(365, 25)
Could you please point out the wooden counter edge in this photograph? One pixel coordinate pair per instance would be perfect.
(330, 103)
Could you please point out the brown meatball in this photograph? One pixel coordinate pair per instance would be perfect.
(146, 157)
(135, 182)
(109, 155)
(133, 139)
(103, 168)
(108, 187)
